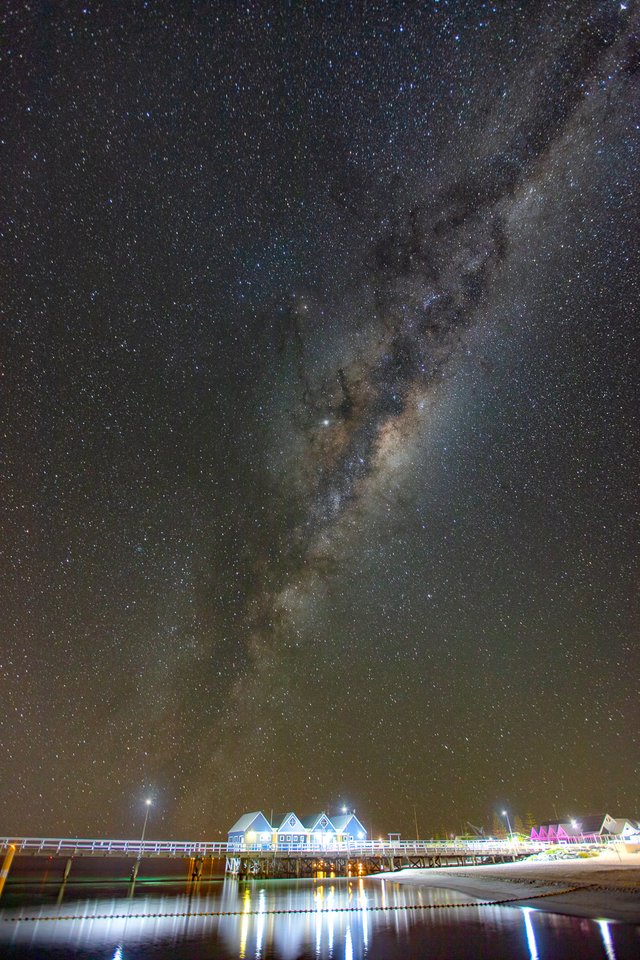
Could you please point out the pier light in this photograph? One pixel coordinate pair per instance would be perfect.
(505, 814)
(148, 803)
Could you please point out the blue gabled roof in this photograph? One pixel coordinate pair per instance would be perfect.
(348, 820)
(309, 823)
(281, 822)
(245, 821)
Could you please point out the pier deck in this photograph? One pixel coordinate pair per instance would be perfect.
(276, 860)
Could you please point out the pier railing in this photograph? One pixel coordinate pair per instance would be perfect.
(71, 846)
(76, 847)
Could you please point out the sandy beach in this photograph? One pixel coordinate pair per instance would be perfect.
(609, 885)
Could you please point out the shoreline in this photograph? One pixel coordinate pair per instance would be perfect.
(608, 885)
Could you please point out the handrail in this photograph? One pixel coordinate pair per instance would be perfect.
(186, 848)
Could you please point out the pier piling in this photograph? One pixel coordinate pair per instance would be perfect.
(6, 865)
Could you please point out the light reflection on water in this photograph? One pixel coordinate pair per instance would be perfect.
(319, 920)
(531, 937)
(606, 939)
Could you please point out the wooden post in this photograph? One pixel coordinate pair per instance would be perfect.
(67, 870)
(134, 870)
(6, 865)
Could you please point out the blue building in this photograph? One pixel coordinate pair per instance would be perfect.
(252, 831)
(320, 830)
(348, 828)
(289, 830)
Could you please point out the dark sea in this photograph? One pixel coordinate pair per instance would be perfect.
(340, 919)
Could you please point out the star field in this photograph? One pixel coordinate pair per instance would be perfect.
(319, 430)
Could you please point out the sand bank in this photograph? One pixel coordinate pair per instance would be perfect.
(609, 884)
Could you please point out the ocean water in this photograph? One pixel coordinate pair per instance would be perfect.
(335, 919)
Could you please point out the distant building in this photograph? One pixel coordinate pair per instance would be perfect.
(628, 829)
(590, 829)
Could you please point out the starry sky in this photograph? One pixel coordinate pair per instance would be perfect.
(319, 413)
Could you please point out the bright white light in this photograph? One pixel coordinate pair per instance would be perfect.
(148, 802)
(348, 945)
(344, 809)
(531, 939)
(326, 423)
(606, 939)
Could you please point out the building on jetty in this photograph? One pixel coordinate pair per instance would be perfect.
(287, 829)
(253, 831)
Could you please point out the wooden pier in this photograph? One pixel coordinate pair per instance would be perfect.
(362, 860)
(246, 861)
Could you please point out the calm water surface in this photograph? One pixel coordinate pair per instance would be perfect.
(291, 920)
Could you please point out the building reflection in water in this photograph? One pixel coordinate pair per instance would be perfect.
(320, 919)
(327, 919)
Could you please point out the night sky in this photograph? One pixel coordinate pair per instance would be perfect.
(319, 413)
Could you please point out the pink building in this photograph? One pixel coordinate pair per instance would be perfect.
(581, 829)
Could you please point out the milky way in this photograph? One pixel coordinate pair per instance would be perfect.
(321, 420)
(429, 276)
(431, 271)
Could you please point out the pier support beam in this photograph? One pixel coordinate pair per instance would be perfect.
(134, 870)
(67, 870)
(6, 865)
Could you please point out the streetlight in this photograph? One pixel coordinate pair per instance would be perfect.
(138, 860)
(505, 814)
(575, 826)
(148, 802)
